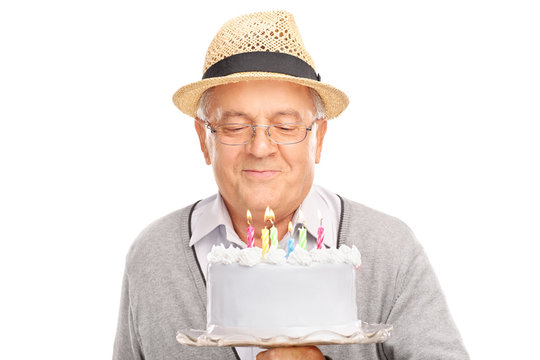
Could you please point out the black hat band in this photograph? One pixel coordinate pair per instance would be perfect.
(266, 61)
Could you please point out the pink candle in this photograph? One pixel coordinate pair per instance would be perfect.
(320, 233)
(250, 231)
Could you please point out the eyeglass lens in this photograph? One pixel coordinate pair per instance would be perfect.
(237, 134)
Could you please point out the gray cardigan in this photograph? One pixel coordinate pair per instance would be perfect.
(164, 291)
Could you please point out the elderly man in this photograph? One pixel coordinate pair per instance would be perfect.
(261, 115)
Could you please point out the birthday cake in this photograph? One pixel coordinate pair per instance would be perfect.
(281, 294)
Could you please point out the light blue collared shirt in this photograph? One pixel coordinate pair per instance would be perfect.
(211, 225)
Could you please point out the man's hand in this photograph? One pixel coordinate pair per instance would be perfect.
(292, 353)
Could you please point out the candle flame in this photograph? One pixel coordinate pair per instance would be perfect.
(269, 215)
(320, 216)
(248, 215)
(290, 227)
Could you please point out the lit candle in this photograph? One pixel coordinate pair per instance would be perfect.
(290, 243)
(302, 240)
(265, 237)
(265, 233)
(320, 232)
(250, 231)
(274, 242)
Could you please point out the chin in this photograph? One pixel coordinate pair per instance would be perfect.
(262, 201)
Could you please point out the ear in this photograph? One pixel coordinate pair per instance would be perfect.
(201, 132)
(321, 131)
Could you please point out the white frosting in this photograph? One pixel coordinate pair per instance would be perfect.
(321, 256)
(344, 254)
(300, 257)
(353, 255)
(275, 256)
(338, 256)
(250, 256)
(253, 256)
(220, 254)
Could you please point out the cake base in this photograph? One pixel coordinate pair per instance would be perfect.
(290, 331)
(365, 334)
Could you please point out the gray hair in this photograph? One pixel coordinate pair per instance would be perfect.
(204, 105)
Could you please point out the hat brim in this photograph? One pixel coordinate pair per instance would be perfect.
(188, 96)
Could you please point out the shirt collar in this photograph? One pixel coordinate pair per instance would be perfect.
(210, 214)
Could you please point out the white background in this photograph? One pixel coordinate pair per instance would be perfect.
(441, 132)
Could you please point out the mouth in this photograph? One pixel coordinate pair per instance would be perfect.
(261, 174)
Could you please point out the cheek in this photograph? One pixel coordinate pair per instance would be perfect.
(302, 160)
(224, 163)
(312, 147)
(211, 148)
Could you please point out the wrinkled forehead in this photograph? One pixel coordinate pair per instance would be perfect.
(261, 99)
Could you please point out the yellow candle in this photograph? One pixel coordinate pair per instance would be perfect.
(265, 233)
(265, 236)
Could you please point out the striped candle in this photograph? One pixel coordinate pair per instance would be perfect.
(320, 233)
(274, 242)
(290, 243)
(265, 243)
(265, 233)
(250, 231)
(302, 240)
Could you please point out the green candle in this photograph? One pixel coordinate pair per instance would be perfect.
(303, 240)
(274, 243)
(302, 232)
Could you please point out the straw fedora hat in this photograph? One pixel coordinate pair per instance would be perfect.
(259, 46)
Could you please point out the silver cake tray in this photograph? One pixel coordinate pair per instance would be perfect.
(365, 334)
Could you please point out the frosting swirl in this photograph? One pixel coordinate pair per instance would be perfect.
(275, 256)
(321, 256)
(352, 255)
(220, 254)
(253, 256)
(300, 257)
(250, 256)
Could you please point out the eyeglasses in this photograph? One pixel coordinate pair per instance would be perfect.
(241, 134)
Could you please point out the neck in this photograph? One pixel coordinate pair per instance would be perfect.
(240, 224)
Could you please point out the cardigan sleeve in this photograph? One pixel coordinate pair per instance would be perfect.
(126, 344)
(423, 326)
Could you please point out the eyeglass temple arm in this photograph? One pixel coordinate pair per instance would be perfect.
(206, 124)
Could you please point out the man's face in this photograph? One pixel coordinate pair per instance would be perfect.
(262, 173)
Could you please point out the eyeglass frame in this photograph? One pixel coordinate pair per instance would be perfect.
(214, 131)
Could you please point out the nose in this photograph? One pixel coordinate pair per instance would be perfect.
(261, 145)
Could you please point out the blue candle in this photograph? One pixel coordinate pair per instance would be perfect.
(290, 243)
